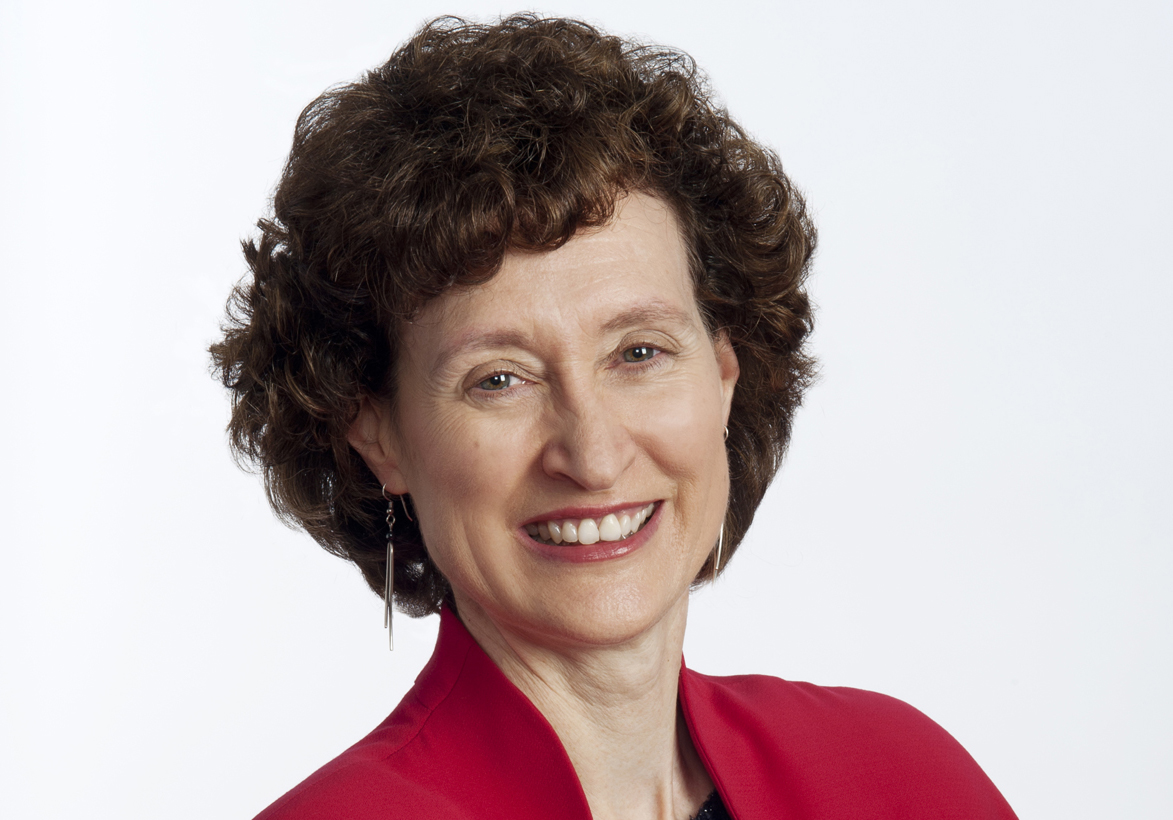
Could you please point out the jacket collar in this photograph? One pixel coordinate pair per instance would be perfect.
(499, 750)
(465, 700)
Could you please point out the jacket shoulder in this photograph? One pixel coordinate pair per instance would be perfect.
(367, 782)
(835, 751)
(850, 720)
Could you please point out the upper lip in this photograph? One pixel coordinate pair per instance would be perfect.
(573, 513)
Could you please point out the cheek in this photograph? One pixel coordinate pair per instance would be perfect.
(459, 477)
(452, 458)
(683, 439)
(682, 426)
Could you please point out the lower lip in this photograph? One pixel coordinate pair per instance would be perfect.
(600, 550)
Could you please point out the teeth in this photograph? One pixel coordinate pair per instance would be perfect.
(609, 528)
(589, 531)
(626, 526)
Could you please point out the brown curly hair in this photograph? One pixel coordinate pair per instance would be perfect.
(470, 141)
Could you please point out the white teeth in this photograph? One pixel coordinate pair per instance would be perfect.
(609, 529)
(569, 532)
(588, 532)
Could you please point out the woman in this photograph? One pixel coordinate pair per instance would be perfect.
(523, 340)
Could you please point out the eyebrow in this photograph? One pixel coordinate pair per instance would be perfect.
(651, 313)
(475, 339)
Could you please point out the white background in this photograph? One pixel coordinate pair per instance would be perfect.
(975, 514)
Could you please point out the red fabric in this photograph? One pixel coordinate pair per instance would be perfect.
(466, 743)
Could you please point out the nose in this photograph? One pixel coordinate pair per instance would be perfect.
(588, 441)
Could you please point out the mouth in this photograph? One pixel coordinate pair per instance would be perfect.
(614, 526)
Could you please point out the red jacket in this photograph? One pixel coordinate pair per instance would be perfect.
(465, 743)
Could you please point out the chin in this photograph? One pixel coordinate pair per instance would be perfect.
(610, 614)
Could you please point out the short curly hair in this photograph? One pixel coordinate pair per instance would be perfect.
(470, 141)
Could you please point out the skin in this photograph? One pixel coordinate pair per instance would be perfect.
(582, 376)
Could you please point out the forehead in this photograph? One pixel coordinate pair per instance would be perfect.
(636, 265)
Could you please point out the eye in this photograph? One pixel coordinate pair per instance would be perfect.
(639, 353)
(498, 382)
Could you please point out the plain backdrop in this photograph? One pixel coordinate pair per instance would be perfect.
(974, 515)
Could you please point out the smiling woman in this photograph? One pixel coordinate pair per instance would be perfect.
(527, 278)
(575, 388)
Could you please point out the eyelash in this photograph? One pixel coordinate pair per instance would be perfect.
(643, 364)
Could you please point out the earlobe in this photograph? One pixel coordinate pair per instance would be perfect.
(372, 436)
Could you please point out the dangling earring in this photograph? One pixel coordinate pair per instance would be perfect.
(721, 537)
(720, 545)
(389, 583)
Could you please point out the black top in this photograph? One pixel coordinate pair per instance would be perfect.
(713, 809)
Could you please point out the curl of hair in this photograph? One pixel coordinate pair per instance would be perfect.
(470, 141)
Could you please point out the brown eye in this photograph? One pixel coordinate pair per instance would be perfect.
(498, 381)
(639, 353)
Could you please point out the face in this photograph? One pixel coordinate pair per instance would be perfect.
(577, 384)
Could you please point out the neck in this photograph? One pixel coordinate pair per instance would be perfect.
(615, 711)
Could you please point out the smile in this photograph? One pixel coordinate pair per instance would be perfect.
(614, 526)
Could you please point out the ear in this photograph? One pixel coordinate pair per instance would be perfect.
(728, 368)
(372, 435)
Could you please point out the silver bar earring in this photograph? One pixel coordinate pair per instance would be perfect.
(389, 582)
(721, 537)
(720, 546)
